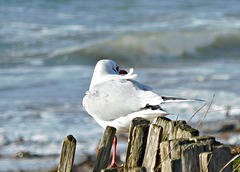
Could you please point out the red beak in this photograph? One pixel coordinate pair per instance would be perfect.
(122, 72)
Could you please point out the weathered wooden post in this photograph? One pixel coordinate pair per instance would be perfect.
(136, 143)
(172, 146)
(171, 165)
(190, 158)
(104, 149)
(205, 162)
(221, 156)
(182, 130)
(215, 160)
(152, 154)
(168, 127)
(67, 154)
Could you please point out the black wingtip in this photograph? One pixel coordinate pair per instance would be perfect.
(179, 99)
(155, 107)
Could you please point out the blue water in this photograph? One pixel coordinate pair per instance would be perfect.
(48, 50)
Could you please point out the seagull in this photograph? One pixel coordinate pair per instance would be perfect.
(115, 98)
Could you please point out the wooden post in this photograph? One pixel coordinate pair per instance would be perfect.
(134, 123)
(172, 146)
(205, 139)
(104, 149)
(176, 147)
(139, 141)
(138, 169)
(67, 154)
(190, 158)
(176, 129)
(216, 160)
(171, 165)
(221, 156)
(136, 143)
(170, 154)
(190, 155)
(152, 154)
(206, 162)
(168, 127)
(185, 131)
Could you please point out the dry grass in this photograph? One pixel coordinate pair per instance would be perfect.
(236, 163)
(206, 112)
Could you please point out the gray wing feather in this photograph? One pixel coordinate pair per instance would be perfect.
(114, 98)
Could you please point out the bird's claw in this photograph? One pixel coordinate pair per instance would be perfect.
(113, 165)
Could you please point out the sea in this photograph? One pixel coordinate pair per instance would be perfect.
(48, 50)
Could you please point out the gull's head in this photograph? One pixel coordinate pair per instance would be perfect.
(105, 69)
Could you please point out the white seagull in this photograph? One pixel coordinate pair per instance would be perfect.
(115, 98)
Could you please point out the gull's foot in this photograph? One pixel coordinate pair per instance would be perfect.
(113, 164)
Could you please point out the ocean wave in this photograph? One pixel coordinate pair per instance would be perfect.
(157, 46)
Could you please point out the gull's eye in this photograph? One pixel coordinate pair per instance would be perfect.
(117, 68)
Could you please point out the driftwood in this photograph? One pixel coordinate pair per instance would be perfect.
(67, 154)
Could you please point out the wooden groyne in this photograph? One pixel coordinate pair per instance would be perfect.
(164, 146)
(172, 146)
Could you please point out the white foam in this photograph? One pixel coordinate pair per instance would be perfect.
(40, 138)
(233, 139)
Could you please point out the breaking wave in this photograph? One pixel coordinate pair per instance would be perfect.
(154, 46)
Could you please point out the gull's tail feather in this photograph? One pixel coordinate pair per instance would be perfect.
(175, 99)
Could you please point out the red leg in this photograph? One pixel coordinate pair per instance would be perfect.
(114, 163)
